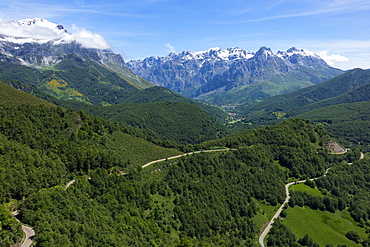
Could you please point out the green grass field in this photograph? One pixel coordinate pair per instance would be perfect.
(308, 189)
(323, 227)
(264, 215)
(140, 150)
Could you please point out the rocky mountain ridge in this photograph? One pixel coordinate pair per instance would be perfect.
(208, 74)
(39, 43)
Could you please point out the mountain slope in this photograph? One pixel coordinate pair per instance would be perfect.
(346, 88)
(10, 95)
(73, 79)
(182, 123)
(348, 122)
(157, 94)
(359, 94)
(234, 76)
(42, 45)
(202, 199)
(340, 104)
(163, 115)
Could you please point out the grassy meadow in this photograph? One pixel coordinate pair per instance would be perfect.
(323, 227)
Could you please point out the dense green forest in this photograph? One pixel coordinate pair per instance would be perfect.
(179, 122)
(159, 94)
(10, 95)
(166, 115)
(10, 228)
(46, 145)
(205, 199)
(350, 123)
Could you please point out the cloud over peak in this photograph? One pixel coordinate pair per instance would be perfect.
(332, 59)
(41, 31)
(89, 39)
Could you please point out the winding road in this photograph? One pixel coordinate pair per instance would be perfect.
(30, 233)
(69, 183)
(268, 227)
(182, 155)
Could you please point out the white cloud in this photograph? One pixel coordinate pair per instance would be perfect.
(343, 53)
(46, 31)
(170, 48)
(9, 28)
(88, 39)
(332, 59)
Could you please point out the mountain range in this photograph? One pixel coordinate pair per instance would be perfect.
(233, 75)
(81, 66)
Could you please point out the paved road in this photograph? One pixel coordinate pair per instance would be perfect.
(362, 156)
(268, 227)
(30, 233)
(181, 155)
(70, 183)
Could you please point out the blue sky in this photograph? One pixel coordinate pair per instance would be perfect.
(339, 30)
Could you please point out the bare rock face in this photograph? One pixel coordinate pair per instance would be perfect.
(37, 54)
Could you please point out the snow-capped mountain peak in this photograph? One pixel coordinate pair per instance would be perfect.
(35, 30)
(300, 52)
(216, 53)
(39, 22)
(204, 73)
(41, 31)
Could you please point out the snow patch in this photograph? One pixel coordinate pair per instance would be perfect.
(217, 53)
(294, 51)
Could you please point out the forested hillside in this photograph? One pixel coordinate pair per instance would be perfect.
(43, 147)
(204, 199)
(348, 122)
(158, 94)
(339, 104)
(182, 123)
(166, 115)
(335, 209)
(11, 95)
(335, 87)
